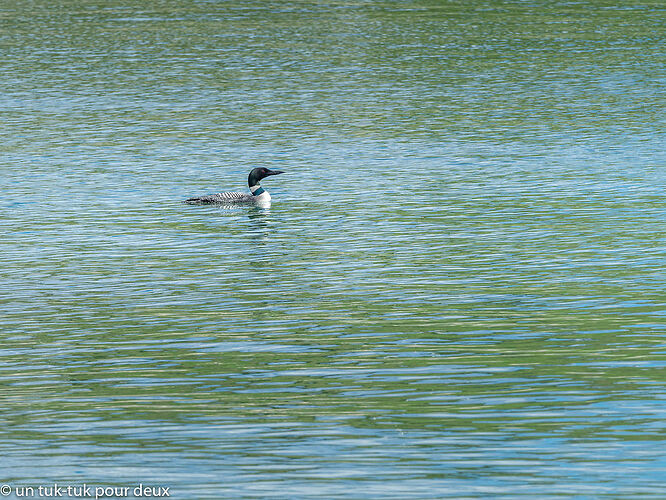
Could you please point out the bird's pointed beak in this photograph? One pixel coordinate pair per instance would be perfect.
(274, 172)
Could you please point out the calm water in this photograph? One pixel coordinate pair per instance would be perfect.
(459, 291)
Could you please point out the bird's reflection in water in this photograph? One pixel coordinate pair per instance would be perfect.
(260, 222)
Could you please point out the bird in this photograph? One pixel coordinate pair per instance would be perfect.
(259, 195)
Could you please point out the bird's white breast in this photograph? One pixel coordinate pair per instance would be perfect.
(264, 199)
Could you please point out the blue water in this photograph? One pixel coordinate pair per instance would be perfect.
(458, 291)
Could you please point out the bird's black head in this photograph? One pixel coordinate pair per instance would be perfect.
(259, 173)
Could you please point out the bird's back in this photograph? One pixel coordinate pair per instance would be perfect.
(227, 198)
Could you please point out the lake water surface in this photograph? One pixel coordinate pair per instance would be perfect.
(458, 292)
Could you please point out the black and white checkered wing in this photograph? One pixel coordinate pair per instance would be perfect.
(221, 199)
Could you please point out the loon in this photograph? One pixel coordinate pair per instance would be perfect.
(259, 195)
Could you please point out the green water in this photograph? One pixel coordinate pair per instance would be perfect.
(458, 291)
